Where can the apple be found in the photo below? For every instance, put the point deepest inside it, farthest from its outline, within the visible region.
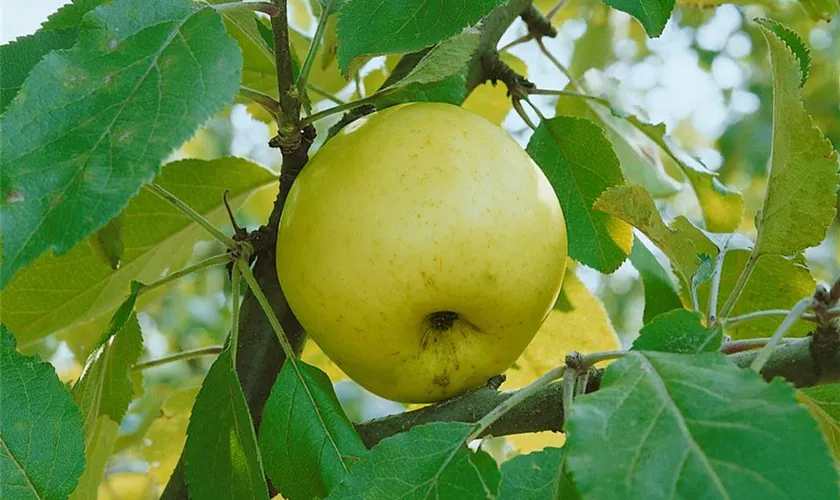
(421, 248)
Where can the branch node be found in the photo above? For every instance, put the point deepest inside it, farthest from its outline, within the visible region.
(497, 70)
(538, 25)
(496, 381)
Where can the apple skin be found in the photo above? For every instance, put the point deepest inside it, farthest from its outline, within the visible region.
(421, 248)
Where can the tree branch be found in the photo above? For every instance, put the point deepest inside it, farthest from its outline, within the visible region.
(792, 361)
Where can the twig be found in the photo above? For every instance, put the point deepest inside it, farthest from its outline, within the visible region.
(797, 311)
(569, 384)
(266, 101)
(346, 106)
(235, 276)
(739, 287)
(192, 214)
(764, 314)
(318, 90)
(266, 307)
(517, 105)
(264, 7)
(209, 262)
(521, 395)
(522, 39)
(314, 44)
(193, 353)
(555, 61)
(571, 93)
(557, 8)
(714, 290)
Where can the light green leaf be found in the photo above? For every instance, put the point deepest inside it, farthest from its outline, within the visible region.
(41, 441)
(307, 442)
(821, 9)
(704, 271)
(19, 57)
(536, 476)
(678, 331)
(776, 282)
(258, 70)
(682, 242)
(374, 27)
(666, 426)
(103, 392)
(101, 117)
(660, 293)
(54, 293)
(579, 162)
(653, 14)
(447, 58)
(221, 458)
(722, 206)
(428, 461)
(801, 196)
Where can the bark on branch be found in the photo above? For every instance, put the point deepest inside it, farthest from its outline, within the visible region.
(793, 361)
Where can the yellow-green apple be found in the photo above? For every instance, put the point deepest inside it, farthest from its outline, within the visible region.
(421, 248)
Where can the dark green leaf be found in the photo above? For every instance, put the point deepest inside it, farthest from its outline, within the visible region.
(43, 449)
(660, 293)
(794, 43)
(108, 244)
(447, 58)
(307, 442)
(666, 426)
(374, 27)
(70, 15)
(221, 456)
(536, 476)
(429, 461)
(679, 331)
(19, 57)
(653, 14)
(101, 117)
(579, 162)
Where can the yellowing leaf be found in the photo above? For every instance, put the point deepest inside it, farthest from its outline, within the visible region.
(578, 322)
(491, 101)
(127, 485)
(682, 242)
(802, 190)
(535, 441)
(167, 435)
(829, 426)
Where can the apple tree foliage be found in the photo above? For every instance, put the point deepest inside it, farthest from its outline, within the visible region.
(104, 196)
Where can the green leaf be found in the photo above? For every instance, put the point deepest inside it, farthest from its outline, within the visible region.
(70, 15)
(653, 14)
(103, 392)
(682, 242)
(101, 117)
(19, 57)
(801, 196)
(108, 242)
(776, 282)
(722, 206)
(668, 426)
(221, 458)
(428, 461)
(258, 70)
(536, 476)
(704, 271)
(823, 401)
(447, 58)
(579, 162)
(821, 9)
(640, 162)
(375, 27)
(307, 442)
(43, 449)
(54, 293)
(793, 42)
(679, 331)
(660, 293)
